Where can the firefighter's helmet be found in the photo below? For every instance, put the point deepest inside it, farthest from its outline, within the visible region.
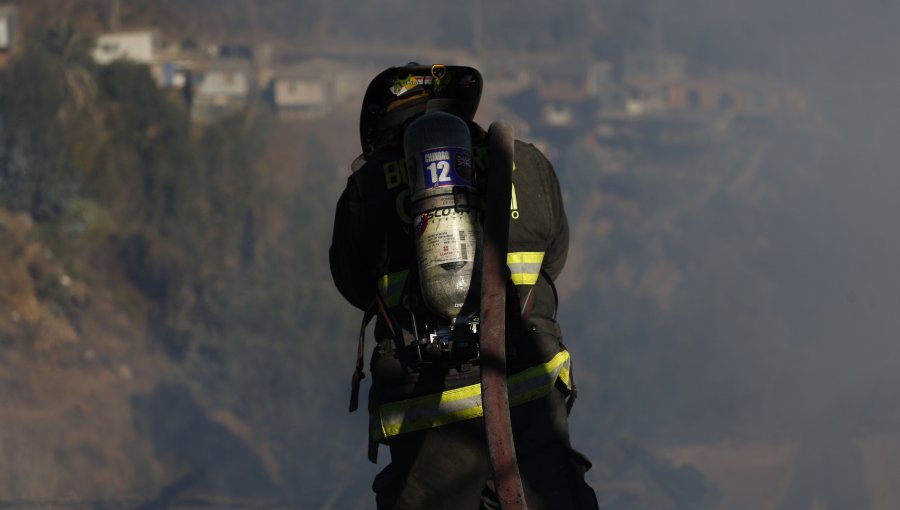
(399, 94)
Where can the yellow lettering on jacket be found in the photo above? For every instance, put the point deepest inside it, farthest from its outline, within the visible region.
(395, 174)
(514, 204)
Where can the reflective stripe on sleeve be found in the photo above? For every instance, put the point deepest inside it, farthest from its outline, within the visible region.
(525, 266)
(464, 403)
(390, 286)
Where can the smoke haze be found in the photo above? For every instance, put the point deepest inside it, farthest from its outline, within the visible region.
(732, 305)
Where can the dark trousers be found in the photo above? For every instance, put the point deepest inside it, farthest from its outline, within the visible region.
(448, 467)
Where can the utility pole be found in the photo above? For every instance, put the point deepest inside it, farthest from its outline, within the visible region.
(253, 20)
(115, 14)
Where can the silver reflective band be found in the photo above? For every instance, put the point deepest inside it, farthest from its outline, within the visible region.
(464, 403)
(524, 266)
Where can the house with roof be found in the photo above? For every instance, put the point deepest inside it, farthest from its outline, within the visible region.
(172, 67)
(749, 96)
(555, 101)
(557, 95)
(218, 88)
(645, 104)
(9, 28)
(9, 31)
(169, 66)
(313, 88)
(646, 76)
(299, 95)
(139, 46)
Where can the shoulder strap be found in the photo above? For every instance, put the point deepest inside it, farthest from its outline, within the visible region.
(358, 373)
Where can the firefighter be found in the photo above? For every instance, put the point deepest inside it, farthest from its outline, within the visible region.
(424, 401)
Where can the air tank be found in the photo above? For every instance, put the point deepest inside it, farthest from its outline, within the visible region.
(446, 220)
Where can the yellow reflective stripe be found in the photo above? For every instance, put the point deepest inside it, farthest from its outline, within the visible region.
(391, 285)
(535, 382)
(464, 403)
(565, 375)
(429, 411)
(525, 266)
(520, 257)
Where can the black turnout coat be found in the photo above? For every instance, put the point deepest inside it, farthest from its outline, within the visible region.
(372, 239)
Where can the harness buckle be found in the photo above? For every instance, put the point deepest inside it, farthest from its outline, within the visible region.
(451, 344)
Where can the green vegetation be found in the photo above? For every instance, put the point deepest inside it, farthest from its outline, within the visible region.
(84, 142)
(172, 217)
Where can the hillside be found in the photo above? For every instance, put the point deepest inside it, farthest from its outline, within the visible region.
(169, 332)
(142, 270)
(169, 325)
(71, 355)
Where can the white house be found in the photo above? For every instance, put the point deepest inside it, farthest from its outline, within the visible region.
(9, 26)
(300, 97)
(313, 88)
(646, 77)
(140, 46)
(219, 88)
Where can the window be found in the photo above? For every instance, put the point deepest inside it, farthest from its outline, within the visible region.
(694, 98)
(726, 101)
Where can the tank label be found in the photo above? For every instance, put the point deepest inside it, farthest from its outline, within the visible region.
(445, 235)
(447, 166)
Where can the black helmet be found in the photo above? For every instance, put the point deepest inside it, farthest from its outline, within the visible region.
(399, 94)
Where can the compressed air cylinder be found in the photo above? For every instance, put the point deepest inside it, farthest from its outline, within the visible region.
(445, 219)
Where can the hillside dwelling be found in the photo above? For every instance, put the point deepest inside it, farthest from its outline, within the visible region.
(172, 68)
(562, 93)
(140, 46)
(747, 96)
(710, 95)
(557, 115)
(9, 27)
(561, 100)
(614, 99)
(570, 94)
(652, 66)
(300, 97)
(219, 88)
(312, 89)
(172, 74)
(637, 98)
